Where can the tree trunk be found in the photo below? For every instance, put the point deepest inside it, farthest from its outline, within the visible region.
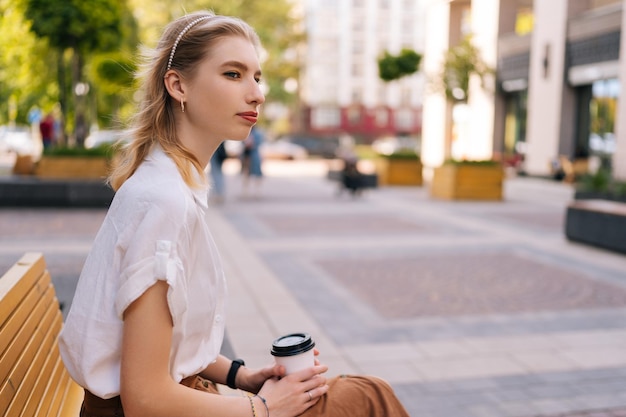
(62, 95)
(79, 92)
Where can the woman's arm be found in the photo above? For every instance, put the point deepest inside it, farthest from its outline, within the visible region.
(147, 388)
(250, 380)
(146, 385)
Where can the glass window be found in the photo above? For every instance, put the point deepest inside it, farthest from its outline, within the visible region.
(602, 112)
(524, 21)
(382, 117)
(404, 119)
(325, 117)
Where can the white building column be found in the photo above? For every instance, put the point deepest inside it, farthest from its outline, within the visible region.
(436, 112)
(545, 92)
(619, 158)
(481, 97)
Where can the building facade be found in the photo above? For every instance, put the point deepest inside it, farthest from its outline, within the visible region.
(558, 67)
(340, 88)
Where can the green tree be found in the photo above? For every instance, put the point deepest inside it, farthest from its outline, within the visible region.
(48, 47)
(80, 28)
(460, 63)
(112, 75)
(25, 79)
(393, 67)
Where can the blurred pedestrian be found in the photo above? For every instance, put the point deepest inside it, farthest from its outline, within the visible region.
(46, 128)
(251, 162)
(145, 328)
(217, 174)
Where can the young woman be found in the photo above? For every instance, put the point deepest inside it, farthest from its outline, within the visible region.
(144, 332)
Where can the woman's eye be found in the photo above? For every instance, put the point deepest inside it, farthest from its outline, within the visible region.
(258, 80)
(232, 74)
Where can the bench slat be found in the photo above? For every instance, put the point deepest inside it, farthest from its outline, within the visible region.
(72, 399)
(40, 386)
(57, 392)
(17, 281)
(28, 332)
(22, 312)
(58, 371)
(28, 365)
(56, 406)
(33, 379)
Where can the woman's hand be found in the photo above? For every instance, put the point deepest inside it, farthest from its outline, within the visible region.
(293, 394)
(251, 380)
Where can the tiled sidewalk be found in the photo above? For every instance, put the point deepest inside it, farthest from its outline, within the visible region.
(467, 308)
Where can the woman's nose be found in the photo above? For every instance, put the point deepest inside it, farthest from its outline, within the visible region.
(257, 96)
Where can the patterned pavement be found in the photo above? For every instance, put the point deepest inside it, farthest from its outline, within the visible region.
(471, 309)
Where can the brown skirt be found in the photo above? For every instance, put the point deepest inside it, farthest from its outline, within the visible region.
(354, 396)
(94, 406)
(357, 396)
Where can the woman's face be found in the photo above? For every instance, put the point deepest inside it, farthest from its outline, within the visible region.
(224, 96)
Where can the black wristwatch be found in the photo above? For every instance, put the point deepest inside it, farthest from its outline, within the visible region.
(232, 372)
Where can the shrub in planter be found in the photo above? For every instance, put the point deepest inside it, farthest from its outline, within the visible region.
(468, 180)
(78, 163)
(399, 168)
(600, 185)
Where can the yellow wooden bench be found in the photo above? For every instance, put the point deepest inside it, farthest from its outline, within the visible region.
(33, 379)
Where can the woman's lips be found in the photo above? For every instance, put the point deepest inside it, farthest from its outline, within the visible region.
(249, 116)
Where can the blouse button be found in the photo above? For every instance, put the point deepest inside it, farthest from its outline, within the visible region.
(218, 318)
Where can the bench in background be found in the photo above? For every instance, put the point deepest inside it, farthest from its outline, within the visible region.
(33, 379)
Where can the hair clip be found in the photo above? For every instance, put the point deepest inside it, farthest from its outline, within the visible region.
(180, 35)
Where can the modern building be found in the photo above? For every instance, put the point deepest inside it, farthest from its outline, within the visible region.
(558, 67)
(340, 88)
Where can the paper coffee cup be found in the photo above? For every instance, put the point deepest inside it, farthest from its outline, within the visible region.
(294, 351)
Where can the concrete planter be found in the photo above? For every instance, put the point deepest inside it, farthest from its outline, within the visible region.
(467, 182)
(72, 167)
(599, 223)
(399, 171)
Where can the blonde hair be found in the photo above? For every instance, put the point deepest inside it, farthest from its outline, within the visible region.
(155, 123)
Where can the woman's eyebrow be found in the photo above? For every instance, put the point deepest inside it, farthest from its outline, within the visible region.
(239, 65)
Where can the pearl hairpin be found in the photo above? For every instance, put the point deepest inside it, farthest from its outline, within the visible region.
(180, 35)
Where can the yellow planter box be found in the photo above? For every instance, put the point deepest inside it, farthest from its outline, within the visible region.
(72, 167)
(467, 182)
(399, 171)
(24, 165)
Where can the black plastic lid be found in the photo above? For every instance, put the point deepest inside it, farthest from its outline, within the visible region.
(292, 344)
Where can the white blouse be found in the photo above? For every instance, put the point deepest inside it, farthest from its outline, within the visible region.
(155, 229)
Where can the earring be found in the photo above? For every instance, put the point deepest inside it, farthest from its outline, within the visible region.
(182, 105)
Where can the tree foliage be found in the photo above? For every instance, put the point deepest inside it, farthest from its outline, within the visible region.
(77, 24)
(25, 79)
(83, 28)
(48, 46)
(460, 63)
(393, 67)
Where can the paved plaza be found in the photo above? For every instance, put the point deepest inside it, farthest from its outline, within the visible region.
(469, 309)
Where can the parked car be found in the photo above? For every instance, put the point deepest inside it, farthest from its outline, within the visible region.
(282, 149)
(316, 146)
(103, 136)
(17, 139)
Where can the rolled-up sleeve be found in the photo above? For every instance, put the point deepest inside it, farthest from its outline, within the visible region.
(150, 255)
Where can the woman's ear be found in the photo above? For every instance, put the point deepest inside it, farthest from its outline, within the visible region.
(174, 85)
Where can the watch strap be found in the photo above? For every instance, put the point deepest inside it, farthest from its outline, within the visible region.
(232, 372)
